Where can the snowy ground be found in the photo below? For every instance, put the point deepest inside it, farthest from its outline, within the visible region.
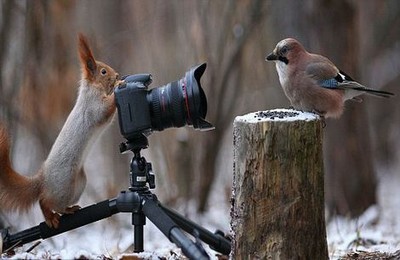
(378, 229)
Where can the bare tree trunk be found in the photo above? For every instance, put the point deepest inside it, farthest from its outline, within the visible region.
(212, 143)
(6, 22)
(278, 190)
(226, 84)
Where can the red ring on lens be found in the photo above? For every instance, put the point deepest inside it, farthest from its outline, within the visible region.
(184, 90)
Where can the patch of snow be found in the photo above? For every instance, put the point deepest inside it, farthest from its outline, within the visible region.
(377, 230)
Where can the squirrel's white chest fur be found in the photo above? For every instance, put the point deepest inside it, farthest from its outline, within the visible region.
(67, 155)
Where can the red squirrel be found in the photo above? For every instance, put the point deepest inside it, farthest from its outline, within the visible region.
(61, 180)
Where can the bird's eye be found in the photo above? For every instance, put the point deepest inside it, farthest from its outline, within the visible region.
(103, 71)
(284, 50)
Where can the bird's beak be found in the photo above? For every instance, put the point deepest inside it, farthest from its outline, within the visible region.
(271, 57)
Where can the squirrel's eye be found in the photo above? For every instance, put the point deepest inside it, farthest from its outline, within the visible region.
(103, 71)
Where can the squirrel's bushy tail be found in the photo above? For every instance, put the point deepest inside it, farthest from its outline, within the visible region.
(17, 192)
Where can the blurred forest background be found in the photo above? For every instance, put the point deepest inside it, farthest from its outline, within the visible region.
(39, 74)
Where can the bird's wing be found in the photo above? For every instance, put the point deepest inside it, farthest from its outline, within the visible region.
(328, 76)
(320, 68)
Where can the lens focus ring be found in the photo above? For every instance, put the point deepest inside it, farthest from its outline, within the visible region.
(178, 117)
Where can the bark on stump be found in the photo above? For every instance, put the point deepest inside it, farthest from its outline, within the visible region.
(278, 187)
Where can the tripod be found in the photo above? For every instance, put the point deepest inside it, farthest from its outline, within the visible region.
(139, 201)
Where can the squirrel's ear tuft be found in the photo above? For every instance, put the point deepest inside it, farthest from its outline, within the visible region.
(88, 63)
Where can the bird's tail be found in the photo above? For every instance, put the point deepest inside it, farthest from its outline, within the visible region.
(17, 192)
(352, 85)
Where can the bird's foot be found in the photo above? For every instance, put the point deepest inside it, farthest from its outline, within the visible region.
(321, 116)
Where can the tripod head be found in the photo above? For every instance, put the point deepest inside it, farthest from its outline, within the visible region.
(141, 171)
(134, 144)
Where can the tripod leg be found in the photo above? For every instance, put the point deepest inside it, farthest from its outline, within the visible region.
(138, 220)
(80, 218)
(171, 230)
(216, 241)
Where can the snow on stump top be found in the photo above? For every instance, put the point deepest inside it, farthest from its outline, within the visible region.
(278, 115)
(278, 186)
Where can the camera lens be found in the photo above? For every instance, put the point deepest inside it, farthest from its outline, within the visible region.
(180, 103)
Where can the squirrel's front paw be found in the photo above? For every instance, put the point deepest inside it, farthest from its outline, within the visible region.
(116, 84)
(71, 209)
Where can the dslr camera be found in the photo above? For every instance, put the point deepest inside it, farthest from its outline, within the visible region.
(176, 104)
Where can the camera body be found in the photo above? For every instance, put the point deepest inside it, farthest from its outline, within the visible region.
(131, 101)
(179, 103)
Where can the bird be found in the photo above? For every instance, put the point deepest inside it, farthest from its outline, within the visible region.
(313, 83)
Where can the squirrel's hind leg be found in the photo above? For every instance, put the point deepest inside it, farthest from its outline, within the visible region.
(52, 218)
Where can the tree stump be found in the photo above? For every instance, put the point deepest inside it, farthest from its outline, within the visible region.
(278, 187)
